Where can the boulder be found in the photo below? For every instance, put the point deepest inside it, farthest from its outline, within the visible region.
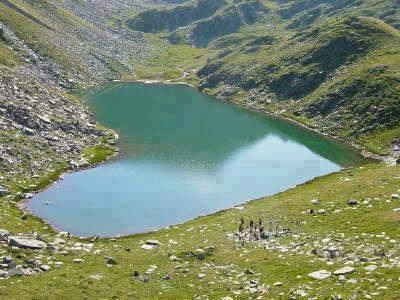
(19, 271)
(320, 275)
(26, 243)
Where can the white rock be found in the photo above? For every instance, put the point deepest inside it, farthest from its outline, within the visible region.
(96, 277)
(147, 247)
(321, 274)
(344, 271)
(153, 243)
(26, 243)
(371, 268)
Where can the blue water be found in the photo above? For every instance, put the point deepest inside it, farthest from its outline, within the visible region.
(183, 154)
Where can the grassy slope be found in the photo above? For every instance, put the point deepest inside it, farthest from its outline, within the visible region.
(169, 62)
(376, 182)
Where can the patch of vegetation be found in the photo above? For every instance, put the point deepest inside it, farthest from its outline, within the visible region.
(174, 62)
(98, 154)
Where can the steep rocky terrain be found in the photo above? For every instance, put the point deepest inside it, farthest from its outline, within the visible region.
(45, 53)
(199, 22)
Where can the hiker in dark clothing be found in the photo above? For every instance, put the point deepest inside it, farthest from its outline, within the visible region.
(261, 229)
(241, 228)
(251, 227)
(241, 225)
(251, 230)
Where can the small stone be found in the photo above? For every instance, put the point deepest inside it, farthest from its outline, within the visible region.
(314, 201)
(248, 272)
(395, 196)
(278, 283)
(78, 260)
(166, 277)
(111, 261)
(201, 276)
(45, 268)
(4, 233)
(3, 192)
(320, 275)
(371, 268)
(352, 202)
(96, 277)
(147, 247)
(153, 243)
(173, 258)
(7, 260)
(300, 293)
(344, 271)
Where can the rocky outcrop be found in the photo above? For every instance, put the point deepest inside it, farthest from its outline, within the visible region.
(26, 243)
(226, 22)
(156, 20)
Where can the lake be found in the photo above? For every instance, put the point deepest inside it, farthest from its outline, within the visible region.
(183, 154)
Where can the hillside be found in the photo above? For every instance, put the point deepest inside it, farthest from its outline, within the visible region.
(340, 77)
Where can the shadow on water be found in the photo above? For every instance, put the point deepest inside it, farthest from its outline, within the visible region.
(194, 127)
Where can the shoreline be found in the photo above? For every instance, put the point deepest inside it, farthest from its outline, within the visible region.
(354, 147)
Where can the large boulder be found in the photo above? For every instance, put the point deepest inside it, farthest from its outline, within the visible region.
(26, 243)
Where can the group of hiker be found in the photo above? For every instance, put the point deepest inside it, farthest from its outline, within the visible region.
(255, 230)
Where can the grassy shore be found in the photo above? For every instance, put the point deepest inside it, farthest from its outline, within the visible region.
(201, 258)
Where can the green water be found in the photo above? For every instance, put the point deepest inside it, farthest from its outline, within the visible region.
(183, 154)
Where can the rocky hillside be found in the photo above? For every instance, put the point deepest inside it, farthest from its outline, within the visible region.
(340, 77)
(158, 20)
(45, 53)
(199, 22)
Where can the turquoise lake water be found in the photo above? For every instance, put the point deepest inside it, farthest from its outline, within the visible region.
(183, 154)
